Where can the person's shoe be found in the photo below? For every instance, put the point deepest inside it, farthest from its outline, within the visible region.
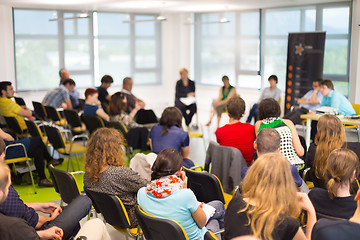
(56, 162)
(45, 183)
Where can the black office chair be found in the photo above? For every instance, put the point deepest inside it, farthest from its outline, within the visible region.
(35, 131)
(155, 228)
(114, 212)
(206, 187)
(92, 123)
(13, 125)
(39, 110)
(55, 116)
(74, 121)
(65, 184)
(20, 101)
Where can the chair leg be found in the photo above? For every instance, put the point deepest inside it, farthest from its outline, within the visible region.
(358, 132)
(68, 168)
(31, 176)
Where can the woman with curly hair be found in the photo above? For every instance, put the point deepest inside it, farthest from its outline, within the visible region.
(105, 170)
(330, 135)
(341, 169)
(290, 145)
(270, 204)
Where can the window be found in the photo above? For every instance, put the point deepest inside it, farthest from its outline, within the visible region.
(230, 49)
(88, 47)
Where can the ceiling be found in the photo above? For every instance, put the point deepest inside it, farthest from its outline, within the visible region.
(157, 6)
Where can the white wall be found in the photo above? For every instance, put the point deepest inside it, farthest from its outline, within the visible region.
(355, 55)
(7, 67)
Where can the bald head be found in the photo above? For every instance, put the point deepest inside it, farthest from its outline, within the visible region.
(64, 74)
(267, 141)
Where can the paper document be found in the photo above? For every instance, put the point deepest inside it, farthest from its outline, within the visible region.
(209, 211)
(187, 100)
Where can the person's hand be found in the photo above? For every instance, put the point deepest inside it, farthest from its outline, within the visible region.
(54, 233)
(201, 204)
(55, 213)
(141, 104)
(47, 207)
(184, 178)
(137, 106)
(32, 118)
(305, 202)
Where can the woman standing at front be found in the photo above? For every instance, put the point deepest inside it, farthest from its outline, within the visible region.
(185, 89)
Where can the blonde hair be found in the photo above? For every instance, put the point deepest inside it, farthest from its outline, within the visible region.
(340, 167)
(330, 135)
(270, 185)
(103, 149)
(183, 70)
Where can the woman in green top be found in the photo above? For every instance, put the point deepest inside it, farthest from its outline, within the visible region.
(225, 93)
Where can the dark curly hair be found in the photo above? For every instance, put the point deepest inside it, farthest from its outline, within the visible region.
(269, 107)
(103, 149)
(168, 162)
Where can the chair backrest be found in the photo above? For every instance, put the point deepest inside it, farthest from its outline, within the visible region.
(72, 118)
(92, 123)
(356, 108)
(52, 113)
(13, 124)
(33, 129)
(66, 184)
(155, 228)
(20, 101)
(119, 126)
(55, 137)
(39, 110)
(320, 215)
(206, 186)
(111, 207)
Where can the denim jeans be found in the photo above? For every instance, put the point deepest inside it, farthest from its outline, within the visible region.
(217, 221)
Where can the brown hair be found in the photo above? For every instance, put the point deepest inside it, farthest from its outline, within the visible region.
(235, 107)
(340, 167)
(327, 83)
(90, 92)
(117, 104)
(167, 162)
(330, 135)
(268, 140)
(107, 79)
(269, 107)
(4, 176)
(171, 116)
(103, 149)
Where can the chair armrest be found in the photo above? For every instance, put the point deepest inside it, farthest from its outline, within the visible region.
(220, 231)
(78, 172)
(81, 136)
(196, 167)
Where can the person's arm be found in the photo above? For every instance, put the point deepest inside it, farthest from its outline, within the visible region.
(313, 98)
(25, 113)
(67, 101)
(277, 95)
(6, 136)
(231, 94)
(54, 233)
(150, 143)
(46, 207)
(185, 151)
(295, 138)
(307, 206)
(199, 216)
(108, 97)
(135, 110)
(192, 93)
(300, 235)
(43, 219)
(257, 126)
(101, 113)
(302, 101)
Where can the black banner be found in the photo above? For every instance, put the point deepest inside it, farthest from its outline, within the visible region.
(304, 64)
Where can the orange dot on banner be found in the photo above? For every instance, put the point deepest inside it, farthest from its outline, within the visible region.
(288, 105)
(290, 75)
(288, 98)
(290, 67)
(290, 83)
(289, 90)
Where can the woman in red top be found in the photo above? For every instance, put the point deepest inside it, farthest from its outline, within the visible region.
(237, 134)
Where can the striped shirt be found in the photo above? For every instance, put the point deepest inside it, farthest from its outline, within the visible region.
(9, 108)
(56, 97)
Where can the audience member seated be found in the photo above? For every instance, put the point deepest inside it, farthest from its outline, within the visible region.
(36, 149)
(15, 227)
(132, 101)
(335, 99)
(341, 170)
(225, 93)
(237, 134)
(330, 135)
(59, 97)
(268, 141)
(104, 96)
(93, 106)
(167, 196)
(269, 92)
(185, 96)
(309, 102)
(105, 170)
(326, 229)
(117, 111)
(61, 222)
(169, 134)
(9, 108)
(269, 207)
(290, 146)
(74, 94)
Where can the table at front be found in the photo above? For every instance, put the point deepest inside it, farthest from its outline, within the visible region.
(315, 117)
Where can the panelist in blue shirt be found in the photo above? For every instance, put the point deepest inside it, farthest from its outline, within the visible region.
(335, 99)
